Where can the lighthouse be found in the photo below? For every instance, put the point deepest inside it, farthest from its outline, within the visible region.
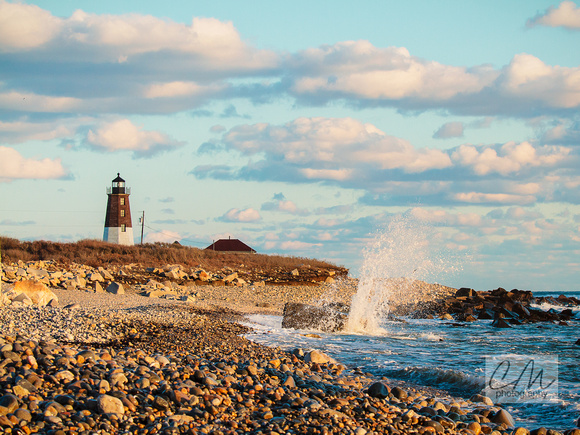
(118, 227)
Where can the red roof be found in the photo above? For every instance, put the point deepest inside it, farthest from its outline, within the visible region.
(230, 245)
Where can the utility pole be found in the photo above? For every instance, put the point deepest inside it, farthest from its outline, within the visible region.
(142, 225)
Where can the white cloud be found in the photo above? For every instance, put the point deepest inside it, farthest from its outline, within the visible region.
(210, 42)
(281, 204)
(295, 245)
(14, 166)
(357, 68)
(333, 148)
(179, 89)
(511, 157)
(123, 135)
(352, 154)
(237, 215)
(435, 216)
(530, 79)
(23, 131)
(567, 15)
(357, 71)
(23, 26)
(449, 129)
(493, 198)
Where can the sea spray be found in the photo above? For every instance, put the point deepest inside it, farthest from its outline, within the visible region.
(393, 265)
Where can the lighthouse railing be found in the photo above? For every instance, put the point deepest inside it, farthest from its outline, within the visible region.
(126, 190)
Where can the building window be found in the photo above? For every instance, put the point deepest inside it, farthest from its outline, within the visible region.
(123, 228)
(122, 201)
(122, 213)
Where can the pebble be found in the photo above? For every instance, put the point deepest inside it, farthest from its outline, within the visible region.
(169, 369)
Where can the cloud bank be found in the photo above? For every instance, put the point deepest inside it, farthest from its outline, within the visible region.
(356, 155)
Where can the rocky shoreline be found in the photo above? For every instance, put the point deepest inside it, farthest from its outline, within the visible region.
(173, 368)
(120, 363)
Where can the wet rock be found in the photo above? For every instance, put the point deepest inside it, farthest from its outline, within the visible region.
(399, 393)
(315, 356)
(503, 417)
(498, 322)
(379, 390)
(465, 292)
(302, 316)
(479, 398)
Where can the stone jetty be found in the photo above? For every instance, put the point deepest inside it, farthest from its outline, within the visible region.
(505, 308)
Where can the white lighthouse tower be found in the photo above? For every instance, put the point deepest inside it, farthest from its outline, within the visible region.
(118, 227)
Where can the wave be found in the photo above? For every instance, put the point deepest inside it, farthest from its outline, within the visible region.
(454, 381)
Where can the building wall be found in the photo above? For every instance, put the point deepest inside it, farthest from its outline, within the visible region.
(115, 235)
(113, 217)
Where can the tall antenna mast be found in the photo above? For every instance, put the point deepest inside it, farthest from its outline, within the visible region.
(142, 225)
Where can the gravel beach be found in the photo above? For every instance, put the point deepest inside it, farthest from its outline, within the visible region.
(116, 364)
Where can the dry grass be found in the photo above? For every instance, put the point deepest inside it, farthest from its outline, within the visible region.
(97, 253)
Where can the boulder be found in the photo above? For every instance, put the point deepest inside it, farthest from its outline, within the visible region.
(498, 322)
(378, 389)
(315, 356)
(465, 292)
(503, 417)
(37, 292)
(115, 288)
(329, 318)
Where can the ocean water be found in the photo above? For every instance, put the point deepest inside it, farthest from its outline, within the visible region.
(433, 353)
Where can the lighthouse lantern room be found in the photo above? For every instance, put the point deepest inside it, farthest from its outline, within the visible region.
(118, 227)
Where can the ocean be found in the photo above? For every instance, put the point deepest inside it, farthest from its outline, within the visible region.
(433, 353)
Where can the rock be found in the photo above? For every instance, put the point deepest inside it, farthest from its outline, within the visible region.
(98, 287)
(160, 403)
(503, 417)
(115, 288)
(38, 293)
(378, 389)
(110, 405)
(520, 431)
(399, 393)
(9, 402)
(95, 276)
(295, 272)
(289, 382)
(231, 277)
(317, 357)
(465, 292)
(479, 398)
(302, 316)
(179, 419)
(498, 322)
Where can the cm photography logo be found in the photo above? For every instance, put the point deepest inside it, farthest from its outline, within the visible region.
(521, 378)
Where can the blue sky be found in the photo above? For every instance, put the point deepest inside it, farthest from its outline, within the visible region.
(302, 128)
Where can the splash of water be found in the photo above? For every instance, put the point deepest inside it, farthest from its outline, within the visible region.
(395, 267)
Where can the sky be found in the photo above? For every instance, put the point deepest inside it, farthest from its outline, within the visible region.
(302, 128)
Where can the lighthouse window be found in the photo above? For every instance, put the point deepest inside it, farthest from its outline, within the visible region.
(122, 213)
(122, 201)
(123, 228)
